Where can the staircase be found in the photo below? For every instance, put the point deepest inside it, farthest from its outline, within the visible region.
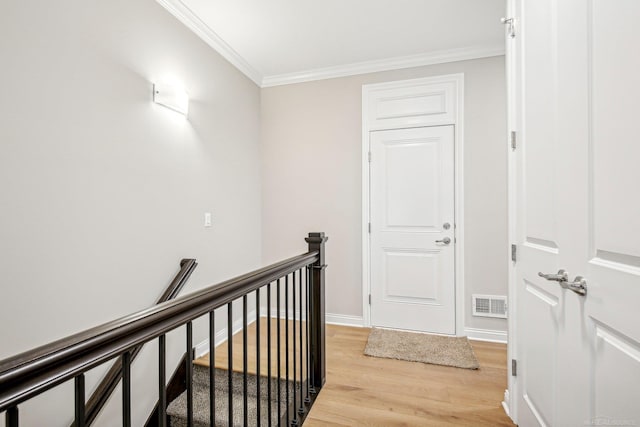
(294, 289)
(177, 410)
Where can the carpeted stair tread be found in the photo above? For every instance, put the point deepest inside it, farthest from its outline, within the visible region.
(177, 410)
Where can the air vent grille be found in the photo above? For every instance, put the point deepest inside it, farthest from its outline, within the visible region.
(490, 306)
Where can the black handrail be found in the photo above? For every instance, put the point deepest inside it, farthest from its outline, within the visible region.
(31, 373)
(187, 266)
(110, 381)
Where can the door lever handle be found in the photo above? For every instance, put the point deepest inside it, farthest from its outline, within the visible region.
(446, 241)
(579, 285)
(562, 276)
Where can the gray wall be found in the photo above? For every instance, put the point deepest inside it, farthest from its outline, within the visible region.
(103, 192)
(312, 177)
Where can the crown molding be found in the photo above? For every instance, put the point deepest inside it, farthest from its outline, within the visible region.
(185, 15)
(436, 57)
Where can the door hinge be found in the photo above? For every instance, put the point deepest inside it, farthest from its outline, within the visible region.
(369, 228)
(514, 253)
(369, 299)
(511, 26)
(513, 140)
(369, 156)
(514, 368)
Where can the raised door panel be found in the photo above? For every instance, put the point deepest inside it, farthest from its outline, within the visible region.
(412, 106)
(412, 184)
(613, 268)
(412, 276)
(539, 125)
(615, 375)
(539, 303)
(540, 312)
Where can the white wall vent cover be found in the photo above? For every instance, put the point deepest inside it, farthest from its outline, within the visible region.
(490, 306)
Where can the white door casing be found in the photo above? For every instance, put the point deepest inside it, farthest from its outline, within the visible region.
(408, 104)
(412, 250)
(577, 88)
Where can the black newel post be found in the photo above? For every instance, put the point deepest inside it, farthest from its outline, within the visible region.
(316, 243)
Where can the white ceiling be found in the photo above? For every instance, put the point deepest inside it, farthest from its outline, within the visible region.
(272, 39)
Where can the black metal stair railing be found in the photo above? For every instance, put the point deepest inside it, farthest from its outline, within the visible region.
(106, 387)
(32, 373)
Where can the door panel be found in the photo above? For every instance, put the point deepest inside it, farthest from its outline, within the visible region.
(540, 302)
(616, 368)
(612, 264)
(615, 93)
(540, 329)
(412, 196)
(405, 268)
(428, 104)
(412, 190)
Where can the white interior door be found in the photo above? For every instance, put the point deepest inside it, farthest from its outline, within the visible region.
(577, 210)
(412, 229)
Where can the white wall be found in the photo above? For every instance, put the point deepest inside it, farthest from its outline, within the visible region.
(102, 191)
(312, 178)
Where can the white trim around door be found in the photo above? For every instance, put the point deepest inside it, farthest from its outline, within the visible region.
(442, 103)
(510, 405)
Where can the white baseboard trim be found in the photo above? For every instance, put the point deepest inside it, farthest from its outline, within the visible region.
(505, 403)
(330, 318)
(344, 320)
(283, 314)
(486, 335)
(221, 336)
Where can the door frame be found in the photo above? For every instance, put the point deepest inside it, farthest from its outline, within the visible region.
(457, 120)
(512, 80)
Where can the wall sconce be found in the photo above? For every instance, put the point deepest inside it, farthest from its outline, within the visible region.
(171, 97)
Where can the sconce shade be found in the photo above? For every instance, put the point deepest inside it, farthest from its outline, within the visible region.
(171, 97)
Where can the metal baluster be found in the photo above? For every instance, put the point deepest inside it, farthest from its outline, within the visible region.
(230, 360)
(307, 399)
(293, 312)
(258, 355)
(245, 394)
(269, 354)
(162, 381)
(301, 407)
(126, 389)
(286, 343)
(212, 368)
(278, 338)
(11, 417)
(79, 400)
(189, 370)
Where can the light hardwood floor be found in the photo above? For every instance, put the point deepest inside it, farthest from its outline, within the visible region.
(369, 391)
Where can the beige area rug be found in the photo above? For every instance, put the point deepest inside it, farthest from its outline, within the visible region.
(425, 348)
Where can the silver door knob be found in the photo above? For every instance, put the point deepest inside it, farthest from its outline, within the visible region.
(446, 241)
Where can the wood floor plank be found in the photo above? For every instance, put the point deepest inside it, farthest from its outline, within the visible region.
(370, 391)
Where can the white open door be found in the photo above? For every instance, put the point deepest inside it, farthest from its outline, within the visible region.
(577, 210)
(412, 229)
